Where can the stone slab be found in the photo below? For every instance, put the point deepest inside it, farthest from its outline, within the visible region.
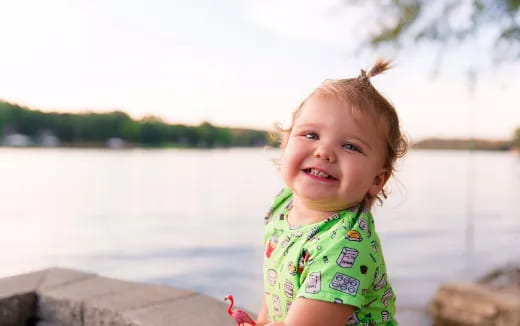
(474, 305)
(187, 311)
(20, 284)
(17, 309)
(64, 302)
(109, 309)
(56, 277)
(64, 297)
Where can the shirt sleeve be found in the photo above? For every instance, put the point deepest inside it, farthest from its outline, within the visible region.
(339, 267)
(278, 201)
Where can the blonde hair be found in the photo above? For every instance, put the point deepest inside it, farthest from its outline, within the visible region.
(363, 98)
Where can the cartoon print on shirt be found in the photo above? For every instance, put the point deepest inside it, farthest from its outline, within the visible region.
(367, 320)
(302, 246)
(332, 218)
(381, 284)
(267, 217)
(287, 307)
(289, 289)
(297, 234)
(386, 297)
(285, 242)
(345, 284)
(313, 283)
(289, 205)
(276, 305)
(291, 268)
(347, 257)
(313, 232)
(353, 235)
(353, 320)
(303, 259)
(271, 245)
(363, 224)
(272, 276)
(374, 245)
(376, 276)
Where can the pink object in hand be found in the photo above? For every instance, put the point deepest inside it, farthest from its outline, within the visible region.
(241, 317)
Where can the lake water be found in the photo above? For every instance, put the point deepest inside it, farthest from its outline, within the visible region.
(194, 218)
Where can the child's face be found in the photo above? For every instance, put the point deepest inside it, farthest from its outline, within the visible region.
(331, 159)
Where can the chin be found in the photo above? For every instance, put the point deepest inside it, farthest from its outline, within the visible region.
(317, 196)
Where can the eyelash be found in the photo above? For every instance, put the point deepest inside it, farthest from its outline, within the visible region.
(314, 136)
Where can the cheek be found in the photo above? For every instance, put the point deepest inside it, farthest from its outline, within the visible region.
(289, 162)
(357, 172)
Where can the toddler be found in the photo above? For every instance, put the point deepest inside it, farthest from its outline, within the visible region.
(323, 261)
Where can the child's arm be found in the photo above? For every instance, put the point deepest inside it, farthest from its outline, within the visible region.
(262, 315)
(309, 312)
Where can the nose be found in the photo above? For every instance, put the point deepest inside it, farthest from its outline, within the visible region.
(324, 152)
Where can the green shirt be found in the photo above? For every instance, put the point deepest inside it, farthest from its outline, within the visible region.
(336, 260)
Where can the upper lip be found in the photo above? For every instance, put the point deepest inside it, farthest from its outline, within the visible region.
(321, 170)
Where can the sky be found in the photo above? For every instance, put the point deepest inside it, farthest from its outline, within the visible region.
(238, 63)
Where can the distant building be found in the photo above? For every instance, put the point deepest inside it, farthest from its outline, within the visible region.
(46, 138)
(17, 140)
(115, 143)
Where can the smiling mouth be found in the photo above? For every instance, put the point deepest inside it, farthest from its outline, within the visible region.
(319, 173)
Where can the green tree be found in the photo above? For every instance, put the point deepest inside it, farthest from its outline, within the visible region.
(516, 138)
(446, 22)
(96, 128)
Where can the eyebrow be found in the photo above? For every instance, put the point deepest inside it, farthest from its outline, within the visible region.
(317, 125)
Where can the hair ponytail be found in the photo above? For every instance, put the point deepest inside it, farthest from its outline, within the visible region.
(379, 67)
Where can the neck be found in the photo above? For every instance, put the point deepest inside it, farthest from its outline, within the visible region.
(305, 212)
(231, 302)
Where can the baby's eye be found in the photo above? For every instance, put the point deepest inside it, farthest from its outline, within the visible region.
(351, 147)
(311, 135)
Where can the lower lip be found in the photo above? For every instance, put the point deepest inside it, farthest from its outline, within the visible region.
(320, 178)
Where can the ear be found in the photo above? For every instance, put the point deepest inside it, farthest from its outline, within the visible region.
(379, 182)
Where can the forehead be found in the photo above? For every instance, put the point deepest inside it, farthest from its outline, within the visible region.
(334, 112)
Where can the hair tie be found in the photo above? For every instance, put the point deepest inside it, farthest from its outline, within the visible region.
(363, 77)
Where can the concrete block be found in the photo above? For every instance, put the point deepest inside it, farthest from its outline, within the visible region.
(20, 284)
(101, 310)
(63, 297)
(186, 311)
(471, 304)
(96, 316)
(60, 311)
(65, 303)
(17, 309)
(57, 277)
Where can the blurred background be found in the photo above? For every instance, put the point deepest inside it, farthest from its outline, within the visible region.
(134, 134)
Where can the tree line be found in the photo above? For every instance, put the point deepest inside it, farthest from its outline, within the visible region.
(95, 129)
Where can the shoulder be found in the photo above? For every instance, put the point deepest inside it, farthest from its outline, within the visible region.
(345, 248)
(279, 200)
